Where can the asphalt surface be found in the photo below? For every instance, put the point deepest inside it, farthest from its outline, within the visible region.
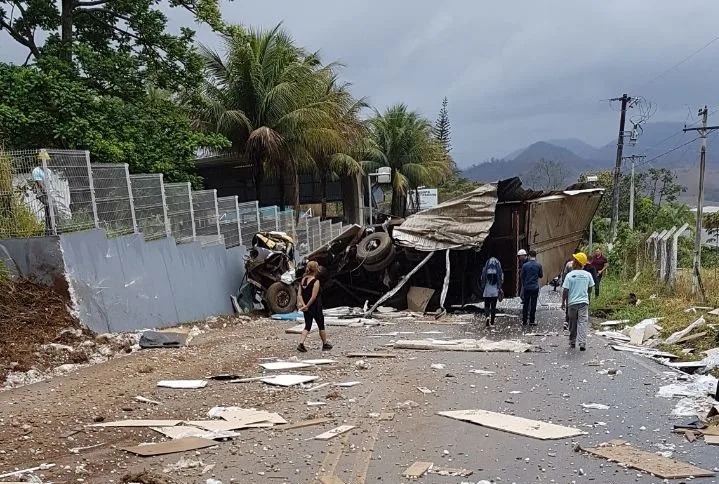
(548, 385)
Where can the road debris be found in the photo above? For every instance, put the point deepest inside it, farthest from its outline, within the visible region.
(425, 390)
(371, 355)
(481, 345)
(678, 336)
(595, 406)
(449, 472)
(417, 470)
(330, 480)
(659, 466)
(77, 450)
(147, 400)
(139, 423)
(437, 366)
(41, 467)
(185, 431)
(285, 365)
(482, 372)
(331, 434)
(619, 322)
(347, 384)
(171, 447)
(513, 424)
(362, 365)
(304, 423)
(182, 384)
(162, 339)
(288, 380)
(318, 386)
(639, 350)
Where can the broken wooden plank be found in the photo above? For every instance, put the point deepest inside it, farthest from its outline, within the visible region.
(691, 337)
(417, 470)
(711, 439)
(644, 351)
(285, 365)
(481, 345)
(139, 423)
(247, 417)
(372, 354)
(659, 466)
(170, 447)
(513, 424)
(331, 434)
(304, 423)
(347, 384)
(185, 431)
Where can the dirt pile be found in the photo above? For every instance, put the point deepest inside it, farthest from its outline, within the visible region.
(33, 315)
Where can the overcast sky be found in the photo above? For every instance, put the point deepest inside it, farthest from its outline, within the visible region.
(514, 72)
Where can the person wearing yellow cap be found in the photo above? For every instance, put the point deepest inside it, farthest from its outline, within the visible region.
(575, 297)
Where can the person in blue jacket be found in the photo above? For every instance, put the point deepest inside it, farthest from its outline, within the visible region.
(492, 280)
(531, 275)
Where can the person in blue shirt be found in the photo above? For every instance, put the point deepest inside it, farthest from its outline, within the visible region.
(492, 280)
(530, 275)
(575, 297)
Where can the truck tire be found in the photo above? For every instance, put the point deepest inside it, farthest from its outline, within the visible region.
(374, 248)
(281, 298)
(382, 264)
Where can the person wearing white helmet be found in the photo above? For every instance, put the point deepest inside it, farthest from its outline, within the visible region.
(521, 259)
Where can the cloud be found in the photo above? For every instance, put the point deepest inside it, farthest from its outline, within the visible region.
(514, 72)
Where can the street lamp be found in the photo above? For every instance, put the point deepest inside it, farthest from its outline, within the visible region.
(384, 175)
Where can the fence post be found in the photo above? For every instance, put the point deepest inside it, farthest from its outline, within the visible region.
(237, 216)
(675, 254)
(319, 232)
(217, 217)
(664, 260)
(166, 219)
(257, 211)
(91, 183)
(131, 197)
(192, 212)
(277, 218)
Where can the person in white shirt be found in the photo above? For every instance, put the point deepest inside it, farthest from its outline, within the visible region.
(39, 178)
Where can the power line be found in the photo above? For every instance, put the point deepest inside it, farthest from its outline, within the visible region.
(687, 58)
(668, 151)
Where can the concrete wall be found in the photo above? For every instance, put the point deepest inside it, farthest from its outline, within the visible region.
(125, 283)
(38, 259)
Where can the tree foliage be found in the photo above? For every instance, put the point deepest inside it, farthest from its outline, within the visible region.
(54, 109)
(443, 129)
(402, 140)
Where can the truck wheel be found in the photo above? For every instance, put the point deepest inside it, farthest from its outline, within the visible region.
(382, 264)
(374, 248)
(281, 298)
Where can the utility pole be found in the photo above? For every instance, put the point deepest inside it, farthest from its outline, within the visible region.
(703, 131)
(618, 166)
(633, 159)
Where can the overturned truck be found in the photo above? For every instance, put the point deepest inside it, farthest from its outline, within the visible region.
(442, 250)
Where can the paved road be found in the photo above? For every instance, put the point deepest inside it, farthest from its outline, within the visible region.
(553, 385)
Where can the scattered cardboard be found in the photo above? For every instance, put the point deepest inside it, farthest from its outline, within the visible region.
(331, 434)
(417, 470)
(449, 472)
(691, 337)
(185, 431)
(372, 355)
(644, 351)
(711, 430)
(418, 298)
(659, 466)
(170, 447)
(289, 380)
(182, 384)
(217, 425)
(514, 425)
(711, 439)
(139, 423)
(247, 417)
(304, 423)
(690, 436)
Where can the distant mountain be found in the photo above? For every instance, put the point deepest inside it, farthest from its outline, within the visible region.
(578, 157)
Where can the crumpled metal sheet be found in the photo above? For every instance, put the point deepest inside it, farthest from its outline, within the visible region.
(460, 223)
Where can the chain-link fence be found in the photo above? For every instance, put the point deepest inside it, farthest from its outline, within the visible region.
(204, 206)
(45, 192)
(113, 198)
(249, 221)
(55, 191)
(229, 216)
(269, 219)
(179, 210)
(148, 193)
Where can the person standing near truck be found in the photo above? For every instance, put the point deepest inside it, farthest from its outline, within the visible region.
(531, 274)
(575, 297)
(309, 301)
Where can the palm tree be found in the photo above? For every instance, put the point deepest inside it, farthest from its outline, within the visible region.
(341, 156)
(403, 140)
(263, 96)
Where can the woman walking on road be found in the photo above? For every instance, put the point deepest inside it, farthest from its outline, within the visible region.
(309, 302)
(492, 280)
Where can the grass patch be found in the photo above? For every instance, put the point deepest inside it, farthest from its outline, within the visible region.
(657, 301)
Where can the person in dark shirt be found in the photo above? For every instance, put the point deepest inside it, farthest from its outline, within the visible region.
(521, 259)
(531, 274)
(600, 265)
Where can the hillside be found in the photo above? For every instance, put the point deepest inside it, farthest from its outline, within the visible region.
(577, 156)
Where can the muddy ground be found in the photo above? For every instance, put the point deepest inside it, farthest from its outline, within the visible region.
(47, 422)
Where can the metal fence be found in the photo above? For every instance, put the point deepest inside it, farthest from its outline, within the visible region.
(50, 192)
